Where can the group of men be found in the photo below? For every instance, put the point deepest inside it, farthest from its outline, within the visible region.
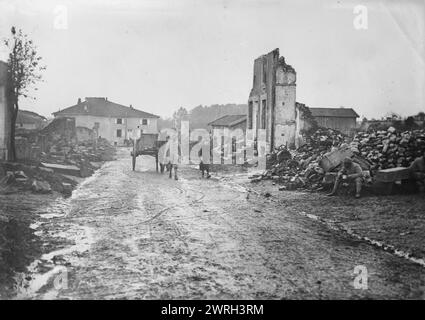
(169, 159)
(351, 172)
(204, 168)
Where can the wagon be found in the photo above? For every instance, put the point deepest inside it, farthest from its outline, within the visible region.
(147, 144)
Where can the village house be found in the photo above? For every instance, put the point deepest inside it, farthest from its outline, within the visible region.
(230, 122)
(112, 121)
(4, 125)
(341, 119)
(29, 120)
(420, 118)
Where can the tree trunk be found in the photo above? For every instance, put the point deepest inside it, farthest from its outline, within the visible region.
(14, 116)
(13, 108)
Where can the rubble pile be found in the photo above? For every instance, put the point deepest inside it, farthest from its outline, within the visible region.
(59, 156)
(84, 155)
(301, 168)
(17, 177)
(389, 149)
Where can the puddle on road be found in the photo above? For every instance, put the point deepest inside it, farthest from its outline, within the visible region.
(29, 283)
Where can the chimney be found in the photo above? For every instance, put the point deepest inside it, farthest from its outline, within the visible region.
(131, 106)
(106, 98)
(79, 101)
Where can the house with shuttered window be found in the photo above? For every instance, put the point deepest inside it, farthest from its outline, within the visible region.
(112, 121)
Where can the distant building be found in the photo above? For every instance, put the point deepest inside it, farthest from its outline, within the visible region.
(420, 117)
(341, 119)
(112, 121)
(4, 122)
(30, 120)
(231, 122)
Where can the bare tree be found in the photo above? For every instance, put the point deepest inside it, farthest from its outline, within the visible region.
(24, 71)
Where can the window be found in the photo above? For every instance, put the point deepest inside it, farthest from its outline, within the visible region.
(250, 115)
(119, 133)
(144, 122)
(265, 71)
(263, 114)
(119, 121)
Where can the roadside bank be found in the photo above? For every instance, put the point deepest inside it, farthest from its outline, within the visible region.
(394, 223)
(27, 192)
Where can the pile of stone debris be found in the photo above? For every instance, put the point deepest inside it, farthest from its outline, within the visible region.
(55, 169)
(18, 177)
(313, 165)
(390, 148)
(77, 159)
(302, 168)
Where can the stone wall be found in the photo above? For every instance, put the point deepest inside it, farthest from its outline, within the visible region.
(272, 101)
(85, 134)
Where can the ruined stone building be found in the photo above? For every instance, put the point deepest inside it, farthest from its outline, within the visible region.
(4, 122)
(272, 105)
(272, 101)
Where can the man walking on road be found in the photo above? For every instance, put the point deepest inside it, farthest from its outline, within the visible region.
(349, 172)
(168, 156)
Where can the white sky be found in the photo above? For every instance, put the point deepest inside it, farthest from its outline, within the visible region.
(159, 55)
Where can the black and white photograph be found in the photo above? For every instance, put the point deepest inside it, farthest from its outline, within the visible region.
(217, 150)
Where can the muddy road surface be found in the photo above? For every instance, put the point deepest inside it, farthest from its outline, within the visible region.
(141, 235)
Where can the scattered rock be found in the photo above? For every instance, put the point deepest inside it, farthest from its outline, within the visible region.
(67, 188)
(8, 179)
(389, 149)
(42, 187)
(20, 176)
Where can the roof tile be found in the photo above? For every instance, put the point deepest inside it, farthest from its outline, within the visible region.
(334, 112)
(100, 107)
(229, 120)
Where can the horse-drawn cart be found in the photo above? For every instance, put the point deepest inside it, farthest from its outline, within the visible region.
(147, 144)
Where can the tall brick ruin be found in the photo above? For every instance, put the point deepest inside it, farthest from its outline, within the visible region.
(272, 101)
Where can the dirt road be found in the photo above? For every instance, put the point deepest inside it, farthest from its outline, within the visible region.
(141, 235)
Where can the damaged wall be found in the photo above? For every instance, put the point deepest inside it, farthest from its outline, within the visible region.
(285, 115)
(272, 101)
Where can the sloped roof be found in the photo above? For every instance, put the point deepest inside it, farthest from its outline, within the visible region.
(25, 116)
(100, 107)
(334, 112)
(229, 120)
